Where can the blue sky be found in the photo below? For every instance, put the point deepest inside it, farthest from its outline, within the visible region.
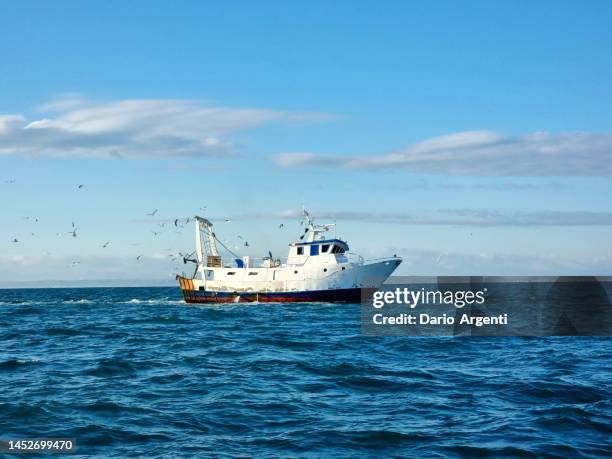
(471, 138)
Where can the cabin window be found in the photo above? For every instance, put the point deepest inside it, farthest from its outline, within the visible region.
(314, 250)
(300, 250)
(231, 273)
(338, 249)
(324, 248)
(343, 268)
(294, 272)
(324, 270)
(252, 273)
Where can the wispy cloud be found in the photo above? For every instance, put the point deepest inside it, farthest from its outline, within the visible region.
(442, 263)
(451, 217)
(73, 126)
(483, 153)
(23, 268)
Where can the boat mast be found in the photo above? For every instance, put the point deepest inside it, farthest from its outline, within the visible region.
(316, 232)
(207, 244)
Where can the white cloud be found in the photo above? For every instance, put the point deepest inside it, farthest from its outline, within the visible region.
(483, 153)
(9, 122)
(432, 263)
(450, 217)
(135, 128)
(90, 269)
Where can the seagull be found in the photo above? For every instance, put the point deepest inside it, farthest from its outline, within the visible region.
(152, 214)
(138, 257)
(105, 244)
(15, 240)
(155, 233)
(73, 232)
(10, 181)
(281, 225)
(239, 237)
(80, 186)
(227, 220)
(73, 224)
(246, 243)
(187, 220)
(163, 224)
(176, 222)
(74, 263)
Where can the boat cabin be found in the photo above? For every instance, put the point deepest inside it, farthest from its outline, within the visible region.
(299, 252)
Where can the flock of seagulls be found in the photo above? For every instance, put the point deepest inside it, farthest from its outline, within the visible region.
(177, 223)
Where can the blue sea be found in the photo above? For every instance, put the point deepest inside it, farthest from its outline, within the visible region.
(137, 372)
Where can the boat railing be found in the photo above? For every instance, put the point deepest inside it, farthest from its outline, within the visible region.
(352, 257)
(265, 262)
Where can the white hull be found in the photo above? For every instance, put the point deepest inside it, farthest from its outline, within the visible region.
(319, 276)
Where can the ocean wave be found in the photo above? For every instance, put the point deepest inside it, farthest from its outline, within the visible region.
(159, 301)
(111, 367)
(12, 364)
(65, 331)
(19, 303)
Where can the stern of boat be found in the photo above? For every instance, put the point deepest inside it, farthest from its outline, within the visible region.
(188, 289)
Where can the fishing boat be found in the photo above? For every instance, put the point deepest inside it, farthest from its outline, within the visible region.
(317, 268)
